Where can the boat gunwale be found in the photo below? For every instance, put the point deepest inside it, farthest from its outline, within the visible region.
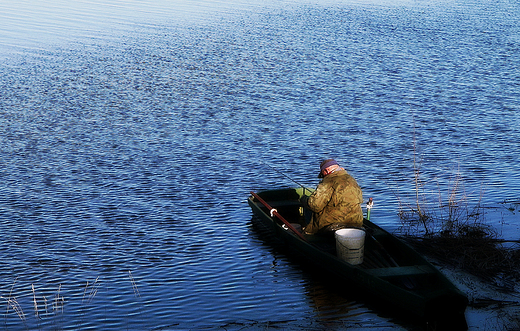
(378, 278)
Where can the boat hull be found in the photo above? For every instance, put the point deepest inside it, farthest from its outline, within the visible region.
(391, 271)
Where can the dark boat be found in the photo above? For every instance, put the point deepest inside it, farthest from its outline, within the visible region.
(390, 270)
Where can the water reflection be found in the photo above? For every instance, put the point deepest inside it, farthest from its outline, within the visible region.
(332, 307)
(132, 132)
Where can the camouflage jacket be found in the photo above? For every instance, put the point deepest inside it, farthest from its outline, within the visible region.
(337, 199)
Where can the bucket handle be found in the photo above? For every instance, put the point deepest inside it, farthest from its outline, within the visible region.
(351, 249)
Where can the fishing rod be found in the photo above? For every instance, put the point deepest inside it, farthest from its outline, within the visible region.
(274, 212)
(289, 178)
(370, 202)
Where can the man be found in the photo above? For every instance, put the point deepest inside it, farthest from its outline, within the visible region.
(336, 202)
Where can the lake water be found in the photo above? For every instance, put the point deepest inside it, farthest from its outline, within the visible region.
(131, 133)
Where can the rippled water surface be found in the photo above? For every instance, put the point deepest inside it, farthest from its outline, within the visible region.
(131, 133)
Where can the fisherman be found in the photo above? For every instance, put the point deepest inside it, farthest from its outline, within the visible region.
(336, 202)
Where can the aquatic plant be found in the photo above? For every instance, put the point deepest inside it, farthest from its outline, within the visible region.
(48, 308)
(92, 290)
(447, 215)
(12, 303)
(451, 227)
(134, 285)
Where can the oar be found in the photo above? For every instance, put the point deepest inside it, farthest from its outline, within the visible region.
(274, 212)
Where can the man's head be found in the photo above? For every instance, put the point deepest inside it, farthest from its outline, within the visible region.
(327, 166)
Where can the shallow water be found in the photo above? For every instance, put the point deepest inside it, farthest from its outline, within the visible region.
(131, 134)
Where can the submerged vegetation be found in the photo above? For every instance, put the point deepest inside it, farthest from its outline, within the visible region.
(38, 311)
(44, 307)
(451, 228)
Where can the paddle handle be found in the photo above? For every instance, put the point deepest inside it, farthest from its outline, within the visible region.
(274, 212)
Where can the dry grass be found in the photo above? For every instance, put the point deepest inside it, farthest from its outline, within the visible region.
(134, 285)
(450, 229)
(457, 234)
(454, 232)
(48, 308)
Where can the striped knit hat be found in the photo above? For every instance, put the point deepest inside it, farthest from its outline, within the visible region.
(325, 164)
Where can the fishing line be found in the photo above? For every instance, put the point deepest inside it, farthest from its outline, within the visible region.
(289, 178)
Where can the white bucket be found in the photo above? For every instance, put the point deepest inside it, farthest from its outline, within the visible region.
(350, 245)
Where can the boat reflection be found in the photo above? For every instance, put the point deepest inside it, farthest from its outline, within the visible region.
(337, 305)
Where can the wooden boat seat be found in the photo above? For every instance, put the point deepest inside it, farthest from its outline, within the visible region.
(395, 272)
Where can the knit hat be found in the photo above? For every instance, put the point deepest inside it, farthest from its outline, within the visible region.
(325, 164)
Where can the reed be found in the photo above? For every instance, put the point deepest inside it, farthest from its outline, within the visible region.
(35, 302)
(59, 301)
(449, 215)
(450, 229)
(460, 237)
(48, 308)
(53, 307)
(134, 285)
(92, 290)
(12, 303)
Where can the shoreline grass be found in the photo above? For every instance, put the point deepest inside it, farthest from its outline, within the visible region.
(452, 228)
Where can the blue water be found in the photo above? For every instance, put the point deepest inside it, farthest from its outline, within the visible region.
(131, 134)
